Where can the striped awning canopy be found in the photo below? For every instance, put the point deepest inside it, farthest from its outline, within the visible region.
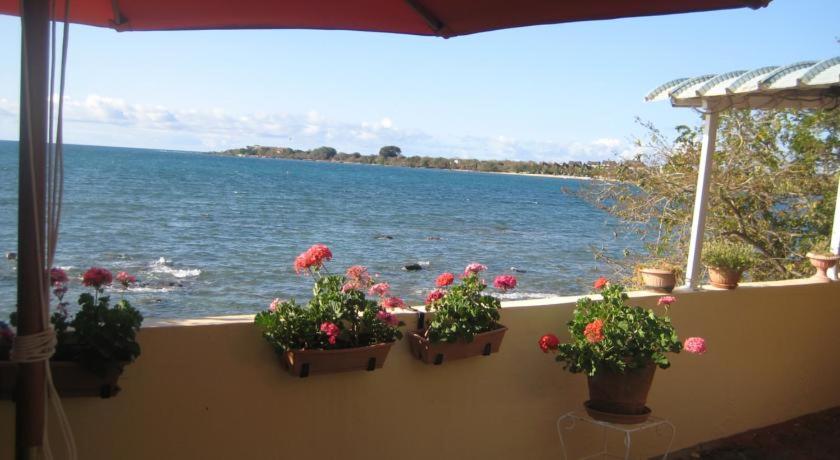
(806, 84)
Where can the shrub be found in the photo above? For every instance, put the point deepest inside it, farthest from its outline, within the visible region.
(728, 256)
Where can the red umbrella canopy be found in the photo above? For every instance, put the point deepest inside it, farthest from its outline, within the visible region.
(445, 18)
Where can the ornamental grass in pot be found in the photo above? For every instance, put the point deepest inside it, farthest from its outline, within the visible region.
(619, 348)
(822, 258)
(339, 329)
(726, 262)
(93, 345)
(465, 321)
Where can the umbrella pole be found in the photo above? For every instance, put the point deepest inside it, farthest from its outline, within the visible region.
(31, 393)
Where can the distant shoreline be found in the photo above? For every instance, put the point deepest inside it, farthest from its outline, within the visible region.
(507, 173)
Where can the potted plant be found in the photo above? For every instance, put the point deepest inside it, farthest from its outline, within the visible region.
(339, 329)
(659, 275)
(726, 262)
(618, 347)
(822, 258)
(92, 346)
(465, 321)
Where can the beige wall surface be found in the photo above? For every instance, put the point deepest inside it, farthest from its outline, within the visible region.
(215, 390)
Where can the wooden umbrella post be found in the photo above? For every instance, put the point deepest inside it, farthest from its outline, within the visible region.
(31, 390)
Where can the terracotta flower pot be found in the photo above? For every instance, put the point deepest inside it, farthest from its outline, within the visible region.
(822, 262)
(724, 278)
(70, 379)
(436, 353)
(620, 398)
(304, 363)
(659, 280)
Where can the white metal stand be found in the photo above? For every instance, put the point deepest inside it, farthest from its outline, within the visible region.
(569, 421)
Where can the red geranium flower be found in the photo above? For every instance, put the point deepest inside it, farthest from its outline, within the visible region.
(600, 283)
(57, 276)
(392, 302)
(331, 330)
(594, 331)
(97, 277)
(435, 295)
(445, 279)
(549, 342)
(313, 258)
(125, 279)
(504, 283)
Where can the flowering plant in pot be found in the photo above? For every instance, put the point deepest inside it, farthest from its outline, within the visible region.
(340, 329)
(465, 321)
(619, 347)
(822, 258)
(94, 344)
(726, 262)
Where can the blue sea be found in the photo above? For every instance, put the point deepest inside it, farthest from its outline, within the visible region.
(213, 235)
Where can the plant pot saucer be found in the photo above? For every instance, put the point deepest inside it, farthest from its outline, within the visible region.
(621, 419)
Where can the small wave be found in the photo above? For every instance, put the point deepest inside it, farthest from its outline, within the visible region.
(523, 295)
(423, 263)
(161, 266)
(142, 289)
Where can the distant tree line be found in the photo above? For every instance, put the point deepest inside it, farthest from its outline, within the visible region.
(391, 155)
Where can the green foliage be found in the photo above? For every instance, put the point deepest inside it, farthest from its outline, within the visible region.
(292, 327)
(774, 186)
(390, 151)
(727, 255)
(105, 337)
(463, 312)
(632, 337)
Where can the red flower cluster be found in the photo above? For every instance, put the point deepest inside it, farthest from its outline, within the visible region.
(359, 279)
(600, 283)
(313, 258)
(331, 330)
(58, 276)
(444, 279)
(435, 295)
(97, 277)
(125, 279)
(504, 283)
(594, 331)
(549, 342)
(392, 302)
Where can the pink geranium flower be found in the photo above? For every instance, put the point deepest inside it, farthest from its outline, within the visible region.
(504, 283)
(380, 289)
(444, 279)
(666, 300)
(387, 318)
(126, 279)
(474, 268)
(272, 307)
(97, 277)
(392, 302)
(331, 330)
(696, 345)
(313, 258)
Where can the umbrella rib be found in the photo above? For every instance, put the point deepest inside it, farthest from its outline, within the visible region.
(432, 21)
(119, 19)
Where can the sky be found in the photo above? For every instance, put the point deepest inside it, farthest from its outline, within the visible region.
(546, 93)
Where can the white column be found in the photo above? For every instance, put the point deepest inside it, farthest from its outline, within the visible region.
(835, 233)
(701, 198)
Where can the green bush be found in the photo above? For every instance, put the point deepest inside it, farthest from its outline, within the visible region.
(727, 255)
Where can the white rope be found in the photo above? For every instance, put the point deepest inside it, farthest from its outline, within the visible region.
(33, 348)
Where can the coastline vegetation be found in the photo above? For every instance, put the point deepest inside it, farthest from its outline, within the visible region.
(391, 155)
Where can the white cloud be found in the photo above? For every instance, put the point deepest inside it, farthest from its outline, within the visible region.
(102, 119)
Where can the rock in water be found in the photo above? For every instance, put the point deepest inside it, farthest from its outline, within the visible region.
(413, 267)
(383, 237)
(11, 255)
(517, 270)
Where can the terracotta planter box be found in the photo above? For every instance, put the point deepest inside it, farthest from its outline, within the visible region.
(304, 363)
(436, 353)
(724, 278)
(659, 280)
(620, 398)
(70, 379)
